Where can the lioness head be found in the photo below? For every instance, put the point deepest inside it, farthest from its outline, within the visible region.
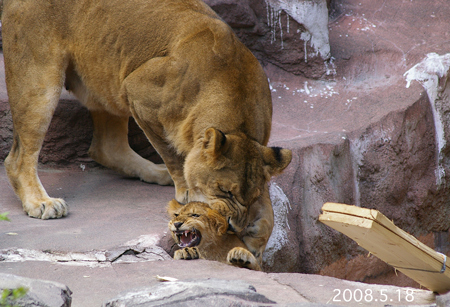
(229, 171)
(195, 224)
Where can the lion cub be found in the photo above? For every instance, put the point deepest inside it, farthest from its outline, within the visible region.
(201, 232)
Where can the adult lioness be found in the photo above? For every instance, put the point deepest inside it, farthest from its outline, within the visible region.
(199, 95)
(201, 232)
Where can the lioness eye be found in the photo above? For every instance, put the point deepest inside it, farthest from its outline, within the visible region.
(175, 214)
(229, 194)
(195, 215)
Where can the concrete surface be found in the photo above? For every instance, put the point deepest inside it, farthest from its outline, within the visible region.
(128, 208)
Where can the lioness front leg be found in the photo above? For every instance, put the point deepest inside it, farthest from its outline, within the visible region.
(187, 253)
(145, 95)
(242, 258)
(257, 233)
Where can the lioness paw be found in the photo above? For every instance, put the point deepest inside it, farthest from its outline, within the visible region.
(52, 208)
(242, 258)
(187, 253)
(156, 173)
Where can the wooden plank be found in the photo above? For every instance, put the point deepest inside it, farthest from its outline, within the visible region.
(378, 217)
(376, 233)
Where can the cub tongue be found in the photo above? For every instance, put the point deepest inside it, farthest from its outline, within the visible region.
(186, 237)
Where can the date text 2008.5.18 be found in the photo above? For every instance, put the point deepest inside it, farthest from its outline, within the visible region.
(368, 295)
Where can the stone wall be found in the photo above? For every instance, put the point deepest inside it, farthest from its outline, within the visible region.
(375, 143)
(391, 166)
(297, 42)
(69, 136)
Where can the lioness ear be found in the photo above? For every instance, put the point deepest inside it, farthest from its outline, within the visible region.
(214, 142)
(276, 159)
(174, 207)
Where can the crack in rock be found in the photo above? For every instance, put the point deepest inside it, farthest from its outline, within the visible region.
(142, 249)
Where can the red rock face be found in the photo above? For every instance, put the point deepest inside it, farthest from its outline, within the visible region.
(272, 35)
(365, 140)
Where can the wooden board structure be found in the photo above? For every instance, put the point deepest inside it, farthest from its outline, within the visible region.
(376, 233)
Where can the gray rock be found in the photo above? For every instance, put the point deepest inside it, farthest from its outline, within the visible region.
(206, 292)
(40, 292)
(443, 300)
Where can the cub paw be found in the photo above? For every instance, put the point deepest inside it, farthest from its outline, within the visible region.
(187, 253)
(242, 258)
(52, 208)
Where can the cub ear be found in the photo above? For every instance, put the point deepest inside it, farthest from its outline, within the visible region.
(174, 207)
(276, 159)
(214, 142)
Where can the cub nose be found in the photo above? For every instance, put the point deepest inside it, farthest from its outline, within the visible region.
(177, 224)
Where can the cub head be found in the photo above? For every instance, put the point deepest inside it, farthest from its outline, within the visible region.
(229, 172)
(195, 224)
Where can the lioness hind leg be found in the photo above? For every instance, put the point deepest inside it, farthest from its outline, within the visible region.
(32, 106)
(187, 253)
(21, 167)
(242, 258)
(110, 148)
(35, 61)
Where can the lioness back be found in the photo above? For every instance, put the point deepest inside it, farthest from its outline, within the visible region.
(103, 38)
(104, 41)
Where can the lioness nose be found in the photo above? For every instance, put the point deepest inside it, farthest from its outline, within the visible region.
(177, 224)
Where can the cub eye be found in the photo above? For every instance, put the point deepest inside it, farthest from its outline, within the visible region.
(195, 215)
(175, 214)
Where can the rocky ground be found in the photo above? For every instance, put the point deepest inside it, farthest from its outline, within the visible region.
(108, 248)
(358, 134)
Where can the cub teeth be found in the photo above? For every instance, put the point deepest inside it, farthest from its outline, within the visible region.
(186, 233)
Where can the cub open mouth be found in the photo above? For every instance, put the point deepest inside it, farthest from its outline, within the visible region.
(188, 238)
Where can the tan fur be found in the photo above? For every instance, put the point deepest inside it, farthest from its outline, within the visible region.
(199, 95)
(216, 243)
